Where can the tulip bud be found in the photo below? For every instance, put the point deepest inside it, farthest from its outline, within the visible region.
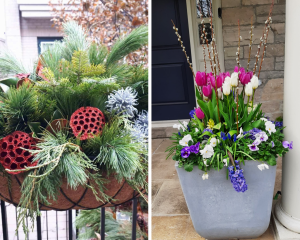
(234, 81)
(248, 89)
(207, 91)
(220, 95)
(201, 78)
(254, 82)
(199, 113)
(226, 87)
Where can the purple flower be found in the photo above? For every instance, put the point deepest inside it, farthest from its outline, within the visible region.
(234, 138)
(273, 144)
(207, 130)
(223, 136)
(179, 134)
(185, 152)
(252, 133)
(192, 113)
(262, 136)
(253, 146)
(278, 124)
(195, 148)
(237, 178)
(286, 144)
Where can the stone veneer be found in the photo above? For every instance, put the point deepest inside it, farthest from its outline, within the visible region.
(270, 93)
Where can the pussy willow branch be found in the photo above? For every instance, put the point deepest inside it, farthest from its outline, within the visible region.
(239, 45)
(203, 37)
(261, 39)
(250, 44)
(187, 57)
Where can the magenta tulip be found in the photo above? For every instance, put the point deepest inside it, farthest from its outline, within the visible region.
(199, 113)
(220, 80)
(207, 91)
(245, 77)
(210, 78)
(201, 78)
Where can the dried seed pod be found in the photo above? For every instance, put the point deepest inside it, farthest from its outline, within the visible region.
(87, 122)
(13, 155)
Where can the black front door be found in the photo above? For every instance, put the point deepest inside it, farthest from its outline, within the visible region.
(172, 80)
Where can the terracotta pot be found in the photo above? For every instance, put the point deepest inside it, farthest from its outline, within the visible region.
(81, 198)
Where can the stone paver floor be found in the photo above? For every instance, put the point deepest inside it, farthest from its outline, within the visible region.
(170, 215)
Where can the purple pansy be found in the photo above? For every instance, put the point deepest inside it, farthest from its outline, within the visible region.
(252, 133)
(195, 148)
(262, 136)
(253, 146)
(286, 144)
(273, 144)
(185, 152)
(237, 178)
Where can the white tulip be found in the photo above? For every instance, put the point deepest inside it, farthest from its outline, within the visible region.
(185, 140)
(234, 80)
(226, 88)
(248, 89)
(254, 81)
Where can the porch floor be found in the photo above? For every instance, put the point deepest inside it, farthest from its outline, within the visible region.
(170, 215)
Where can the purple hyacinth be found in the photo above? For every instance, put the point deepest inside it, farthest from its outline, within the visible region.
(195, 148)
(185, 152)
(237, 178)
(192, 113)
(279, 124)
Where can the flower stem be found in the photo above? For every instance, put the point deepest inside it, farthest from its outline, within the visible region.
(253, 98)
(248, 103)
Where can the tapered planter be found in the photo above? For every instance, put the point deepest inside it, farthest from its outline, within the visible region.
(219, 212)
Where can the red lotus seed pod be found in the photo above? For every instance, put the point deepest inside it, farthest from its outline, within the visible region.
(87, 122)
(12, 154)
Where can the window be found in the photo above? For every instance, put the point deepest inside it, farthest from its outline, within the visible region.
(45, 42)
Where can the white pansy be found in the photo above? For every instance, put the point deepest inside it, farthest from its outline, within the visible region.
(213, 142)
(205, 176)
(207, 151)
(248, 89)
(264, 119)
(196, 130)
(185, 140)
(254, 81)
(234, 80)
(263, 166)
(270, 127)
(241, 133)
(226, 87)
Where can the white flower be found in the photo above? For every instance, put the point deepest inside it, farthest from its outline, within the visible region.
(205, 163)
(220, 95)
(185, 140)
(185, 124)
(234, 80)
(248, 89)
(226, 87)
(178, 126)
(263, 166)
(207, 151)
(205, 176)
(250, 108)
(225, 162)
(254, 81)
(264, 119)
(196, 130)
(270, 127)
(206, 99)
(213, 142)
(241, 133)
(262, 136)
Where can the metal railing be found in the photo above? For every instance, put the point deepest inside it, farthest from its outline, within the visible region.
(70, 234)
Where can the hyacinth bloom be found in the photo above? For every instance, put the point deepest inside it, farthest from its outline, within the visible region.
(192, 113)
(199, 113)
(237, 178)
(201, 79)
(207, 91)
(185, 152)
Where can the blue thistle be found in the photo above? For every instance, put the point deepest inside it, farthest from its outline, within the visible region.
(237, 178)
(142, 122)
(123, 101)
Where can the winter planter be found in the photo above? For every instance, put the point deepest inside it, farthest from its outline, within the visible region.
(219, 212)
(228, 136)
(52, 120)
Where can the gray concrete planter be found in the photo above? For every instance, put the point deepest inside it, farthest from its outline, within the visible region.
(219, 212)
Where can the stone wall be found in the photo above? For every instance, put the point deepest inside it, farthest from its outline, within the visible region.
(270, 93)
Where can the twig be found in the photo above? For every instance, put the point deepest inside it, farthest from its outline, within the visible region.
(250, 44)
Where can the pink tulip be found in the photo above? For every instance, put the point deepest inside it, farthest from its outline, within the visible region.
(199, 113)
(245, 77)
(237, 69)
(220, 80)
(207, 91)
(201, 78)
(210, 78)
